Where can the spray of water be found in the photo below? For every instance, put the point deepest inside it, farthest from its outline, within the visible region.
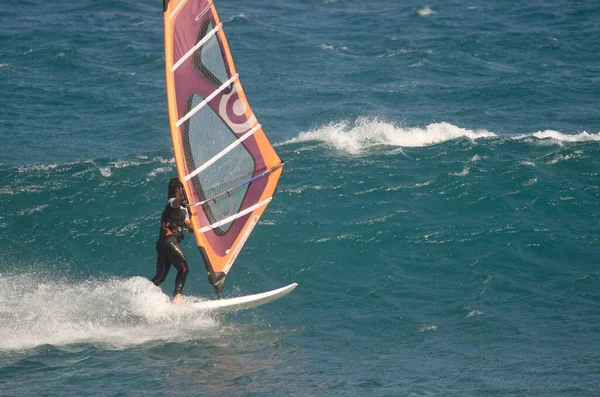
(116, 313)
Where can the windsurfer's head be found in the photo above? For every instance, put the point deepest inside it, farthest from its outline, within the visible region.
(175, 188)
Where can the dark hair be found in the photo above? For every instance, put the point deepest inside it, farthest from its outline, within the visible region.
(174, 184)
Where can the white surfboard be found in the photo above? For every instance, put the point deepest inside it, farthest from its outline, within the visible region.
(242, 302)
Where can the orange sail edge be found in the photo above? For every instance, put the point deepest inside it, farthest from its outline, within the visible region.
(168, 7)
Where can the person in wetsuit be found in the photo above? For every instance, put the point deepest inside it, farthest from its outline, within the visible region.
(174, 218)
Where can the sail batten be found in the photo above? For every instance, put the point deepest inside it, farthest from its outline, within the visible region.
(176, 9)
(223, 157)
(238, 186)
(204, 11)
(221, 154)
(234, 217)
(210, 97)
(196, 47)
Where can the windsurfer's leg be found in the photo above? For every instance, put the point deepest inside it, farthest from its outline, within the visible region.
(162, 267)
(178, 260)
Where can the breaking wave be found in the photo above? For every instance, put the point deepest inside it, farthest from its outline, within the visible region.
(367, 133)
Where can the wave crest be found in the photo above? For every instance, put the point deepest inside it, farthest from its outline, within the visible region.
(561, 137)
(366, 133)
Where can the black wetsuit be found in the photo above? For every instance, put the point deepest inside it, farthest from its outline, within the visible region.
(167, 247)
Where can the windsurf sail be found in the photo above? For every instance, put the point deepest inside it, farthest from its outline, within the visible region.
(223, 157)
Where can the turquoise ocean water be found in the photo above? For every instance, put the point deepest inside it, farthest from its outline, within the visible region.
(439, 207)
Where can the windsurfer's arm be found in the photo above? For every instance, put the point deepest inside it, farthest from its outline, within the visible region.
(181, 202)
(178, 202)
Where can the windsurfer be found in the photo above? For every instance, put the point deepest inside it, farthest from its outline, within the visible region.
(174, 218)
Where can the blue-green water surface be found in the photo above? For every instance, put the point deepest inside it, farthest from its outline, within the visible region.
(439, 206)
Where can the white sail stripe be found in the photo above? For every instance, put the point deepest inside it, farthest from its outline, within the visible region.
(234, 217)
(221, 154)
(177, 9)
(204, 12)
(208, 99)
(194, 48)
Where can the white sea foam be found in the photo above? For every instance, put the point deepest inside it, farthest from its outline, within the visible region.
(40, 167)
(393, 53)
(425, 12)
(418, 64)
(529, 182)
(159, 170)
(427, 327)
(332, 47)
(236, 17)
(125, 163)
(464, 172)
(560, 158)
(560, 137)
(105, 171)
(366, 133)
(474, 313)
(369, 132)
(528, 163)
(115, 314)
(303, 188)
(32, 210)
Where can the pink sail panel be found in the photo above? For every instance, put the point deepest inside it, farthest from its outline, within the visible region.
(223, 156)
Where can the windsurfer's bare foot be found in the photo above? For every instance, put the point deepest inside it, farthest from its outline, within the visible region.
(178, 300)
